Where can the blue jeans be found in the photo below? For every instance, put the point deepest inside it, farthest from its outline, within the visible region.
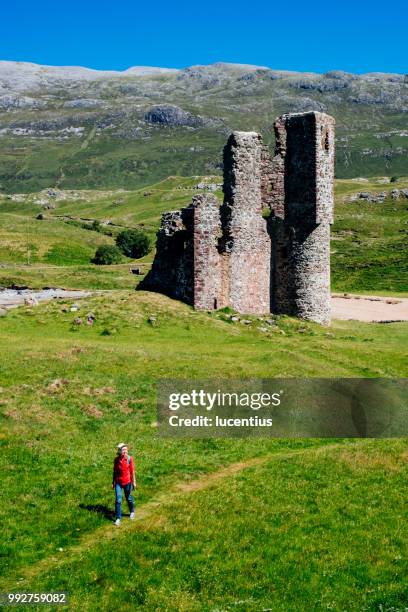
(118, 501)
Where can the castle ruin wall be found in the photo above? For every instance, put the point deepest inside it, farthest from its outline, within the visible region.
(245, 244)
(213, 256)
(301, 235)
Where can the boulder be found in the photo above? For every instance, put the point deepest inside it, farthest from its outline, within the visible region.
(173, 116)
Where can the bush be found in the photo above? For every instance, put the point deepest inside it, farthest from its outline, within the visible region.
(133, 243)
(107, 254)
(394, 179)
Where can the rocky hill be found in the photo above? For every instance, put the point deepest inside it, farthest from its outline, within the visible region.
(72, 127)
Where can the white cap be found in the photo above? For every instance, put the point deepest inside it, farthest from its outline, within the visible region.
(121, 445)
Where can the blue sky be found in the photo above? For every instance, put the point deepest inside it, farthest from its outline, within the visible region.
(357, 36)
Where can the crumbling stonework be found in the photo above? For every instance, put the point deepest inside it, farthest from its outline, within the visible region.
(302, 210)
(245, 246)
(213, 256)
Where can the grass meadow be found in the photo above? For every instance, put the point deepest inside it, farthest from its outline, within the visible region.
(369, 249)
(221, 524)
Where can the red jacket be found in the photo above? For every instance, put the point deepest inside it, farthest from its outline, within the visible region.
(123, 470)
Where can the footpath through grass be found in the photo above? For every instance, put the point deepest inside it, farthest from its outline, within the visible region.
(314, 529)
(271, 534)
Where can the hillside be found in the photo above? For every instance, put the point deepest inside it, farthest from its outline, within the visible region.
(369, 249)
(76, 128)
(237, 524)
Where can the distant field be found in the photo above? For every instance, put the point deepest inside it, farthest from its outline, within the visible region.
(369, 240)
(369, 247)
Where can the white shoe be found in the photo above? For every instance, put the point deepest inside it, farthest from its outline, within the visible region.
(132, 516)
(117, 522)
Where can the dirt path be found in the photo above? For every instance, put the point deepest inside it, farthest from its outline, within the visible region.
(150, 513)
(369, 308)
(11, 298)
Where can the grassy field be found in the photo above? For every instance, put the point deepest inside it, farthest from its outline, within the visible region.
(369, 247)
(369, 241)
(222, 524)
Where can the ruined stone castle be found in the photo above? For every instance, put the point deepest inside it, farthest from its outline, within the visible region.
(266, 248)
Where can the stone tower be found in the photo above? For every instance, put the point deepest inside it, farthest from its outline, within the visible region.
(302, 211)
(245, 246)
(231, 255)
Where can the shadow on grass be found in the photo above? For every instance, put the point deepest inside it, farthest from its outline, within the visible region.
(108, 513)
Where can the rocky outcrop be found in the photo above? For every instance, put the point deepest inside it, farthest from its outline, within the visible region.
(378, 197)
(172, 116)
(82, 103)
(12, 101)
(200, 76)
(322, 86)
(301, 105)
(339, 74)
(260, 73)
(397, 194)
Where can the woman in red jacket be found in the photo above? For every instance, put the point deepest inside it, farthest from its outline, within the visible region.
(124, 478)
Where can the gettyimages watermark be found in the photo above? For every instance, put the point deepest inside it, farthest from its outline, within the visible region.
(283, 408)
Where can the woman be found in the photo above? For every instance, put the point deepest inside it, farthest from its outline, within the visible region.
(124, 477)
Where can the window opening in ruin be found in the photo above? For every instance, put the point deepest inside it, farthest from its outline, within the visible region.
(215, 303)
(325, 139)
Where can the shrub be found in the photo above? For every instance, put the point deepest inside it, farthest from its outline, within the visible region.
(394, 179)
(95, 226)
(133, 243)
(107, 254)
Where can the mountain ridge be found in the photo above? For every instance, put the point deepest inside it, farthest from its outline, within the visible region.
(76, 127)
(156, 69)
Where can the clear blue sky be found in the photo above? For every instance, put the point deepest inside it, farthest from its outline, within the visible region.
(353, 35)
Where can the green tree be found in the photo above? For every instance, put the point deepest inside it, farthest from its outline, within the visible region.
(133, 243)
(96, 226)
(107, 254)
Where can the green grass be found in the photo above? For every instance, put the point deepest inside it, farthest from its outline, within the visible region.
(302, 531)
(369, 247)
(24, 239)
(273, 535)
(70, 277)
(369, 241)
(298, 525)
(29, 165)
(144, 206)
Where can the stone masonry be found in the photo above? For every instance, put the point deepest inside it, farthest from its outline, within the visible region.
(267, 247)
